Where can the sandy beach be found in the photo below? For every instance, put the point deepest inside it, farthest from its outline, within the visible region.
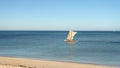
(8, 62)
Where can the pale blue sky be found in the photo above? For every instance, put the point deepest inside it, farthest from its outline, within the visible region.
(59, 14)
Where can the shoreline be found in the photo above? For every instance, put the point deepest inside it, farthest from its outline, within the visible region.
(6, 62)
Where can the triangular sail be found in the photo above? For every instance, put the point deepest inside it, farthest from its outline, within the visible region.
(71, 35)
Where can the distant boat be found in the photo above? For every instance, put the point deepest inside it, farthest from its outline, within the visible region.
(70, 37)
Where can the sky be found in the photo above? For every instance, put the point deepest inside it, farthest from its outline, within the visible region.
(60, 15)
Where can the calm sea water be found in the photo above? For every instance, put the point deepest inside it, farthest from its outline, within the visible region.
(97, 47)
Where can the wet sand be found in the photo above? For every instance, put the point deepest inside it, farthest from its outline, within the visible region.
(10, 62)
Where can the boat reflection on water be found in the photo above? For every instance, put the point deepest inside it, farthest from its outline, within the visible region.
(71, 44)
(71, 51)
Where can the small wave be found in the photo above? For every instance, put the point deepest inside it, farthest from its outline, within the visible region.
(99, 41)
(115, 42)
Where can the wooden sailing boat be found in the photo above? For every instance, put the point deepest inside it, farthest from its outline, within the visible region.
(70, 37)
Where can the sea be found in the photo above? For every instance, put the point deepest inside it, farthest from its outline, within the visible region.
(92, 47)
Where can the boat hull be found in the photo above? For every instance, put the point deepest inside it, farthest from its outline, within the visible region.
(69, 40)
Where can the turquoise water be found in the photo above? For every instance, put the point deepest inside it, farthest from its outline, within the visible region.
(96, 47)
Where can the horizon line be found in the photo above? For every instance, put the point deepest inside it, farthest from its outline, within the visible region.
(59, 30)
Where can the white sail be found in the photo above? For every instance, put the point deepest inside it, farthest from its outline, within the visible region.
(71, 35)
